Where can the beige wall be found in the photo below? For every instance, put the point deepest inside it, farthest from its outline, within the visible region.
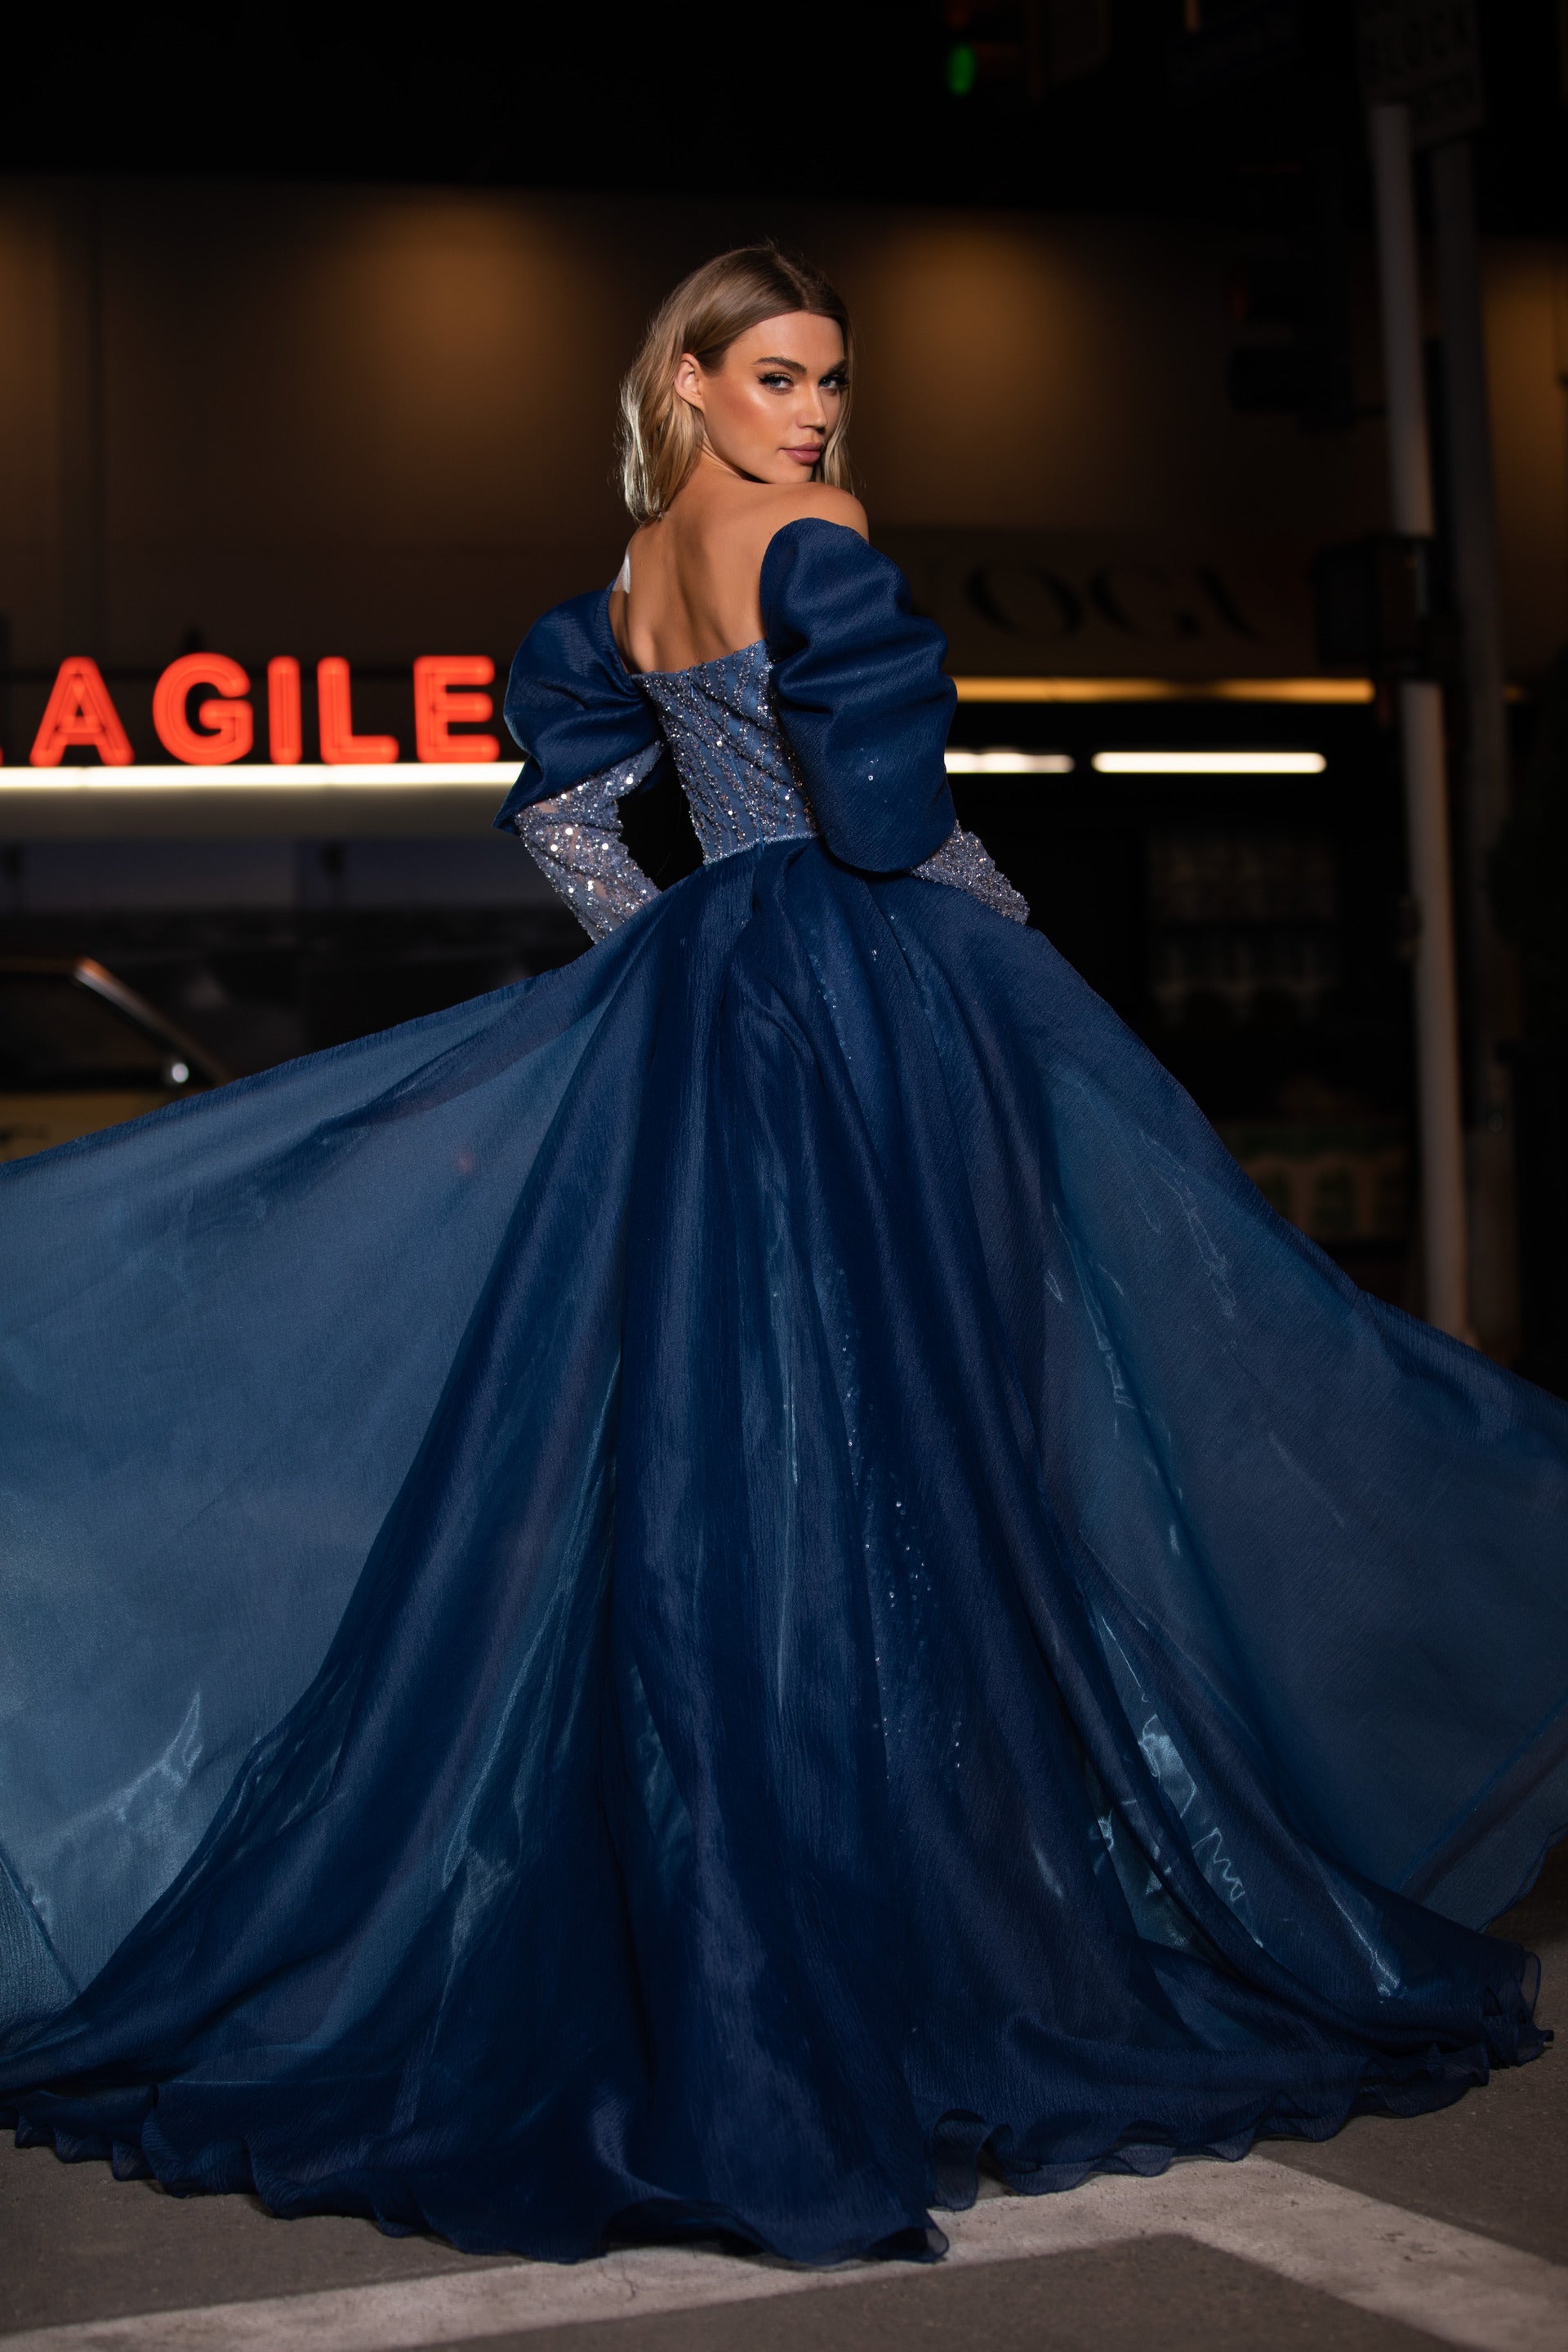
(1528, 351)
(378, 422)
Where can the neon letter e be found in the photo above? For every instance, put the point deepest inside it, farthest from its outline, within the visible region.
(438, 706)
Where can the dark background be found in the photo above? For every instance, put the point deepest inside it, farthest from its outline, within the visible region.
(852, 104)
(1244, 121)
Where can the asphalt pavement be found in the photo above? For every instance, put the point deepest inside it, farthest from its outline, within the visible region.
(1452, 2229)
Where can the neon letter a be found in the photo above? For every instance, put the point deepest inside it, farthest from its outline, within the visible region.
(79, 712)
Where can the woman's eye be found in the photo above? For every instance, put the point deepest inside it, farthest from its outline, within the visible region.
(776, 382)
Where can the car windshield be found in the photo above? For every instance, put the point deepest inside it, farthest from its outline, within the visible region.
(56, 1033)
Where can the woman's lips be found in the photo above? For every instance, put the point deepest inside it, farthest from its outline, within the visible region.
(807, 455)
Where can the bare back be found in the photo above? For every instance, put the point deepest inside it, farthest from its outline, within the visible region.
(695, 572)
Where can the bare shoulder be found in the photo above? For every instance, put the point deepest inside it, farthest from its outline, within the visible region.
(643, 541)
(816, 501)
(697, 573)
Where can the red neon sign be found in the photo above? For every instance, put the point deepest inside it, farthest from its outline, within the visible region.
(447, 693)
(224, 728)
(439, 705)
(79, 710)
(285, 729)
(340, 747)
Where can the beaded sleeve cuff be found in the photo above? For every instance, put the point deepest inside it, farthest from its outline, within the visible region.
(965, 863)
(576, 842)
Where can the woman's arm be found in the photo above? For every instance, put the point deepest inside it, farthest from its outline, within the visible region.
(575, 839)
(860, 690)
(589, 738)
(866, 706)
(965, 863)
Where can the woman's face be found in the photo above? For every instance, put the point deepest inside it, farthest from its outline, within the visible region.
(774, 398)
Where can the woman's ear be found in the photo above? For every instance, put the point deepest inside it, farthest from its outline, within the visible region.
(689, 382)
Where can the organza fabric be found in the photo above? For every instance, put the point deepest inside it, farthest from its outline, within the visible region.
(674, 1599)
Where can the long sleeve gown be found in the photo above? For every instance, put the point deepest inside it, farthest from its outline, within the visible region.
(680, 1598)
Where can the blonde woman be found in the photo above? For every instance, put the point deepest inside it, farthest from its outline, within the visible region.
(695, 1596)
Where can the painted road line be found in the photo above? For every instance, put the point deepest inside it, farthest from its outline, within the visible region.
(1457, 2286)
(1455, 2283)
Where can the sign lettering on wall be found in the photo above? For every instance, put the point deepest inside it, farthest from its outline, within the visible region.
(1103, 606)
(220, 728)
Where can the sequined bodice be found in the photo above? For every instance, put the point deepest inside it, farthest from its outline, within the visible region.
(719, 723)
(730, 751)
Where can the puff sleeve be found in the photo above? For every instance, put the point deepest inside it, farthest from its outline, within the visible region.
(860, 688)
(588, 738)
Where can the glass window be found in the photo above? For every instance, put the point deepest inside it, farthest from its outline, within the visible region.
(53, 1033)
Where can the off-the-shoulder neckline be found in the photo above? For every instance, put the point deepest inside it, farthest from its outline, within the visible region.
(637, 677)
(715, 661)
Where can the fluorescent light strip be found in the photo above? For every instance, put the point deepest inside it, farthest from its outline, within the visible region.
(1009, 763)
(171, 777)
(174, 777)
(424, 776)
(1210, 764)
(1165, 689)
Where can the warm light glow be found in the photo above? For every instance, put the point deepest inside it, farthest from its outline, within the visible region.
(80, 710)
(1165, 689)
(340, 747)
(259, 778)
(285, 729)
(1209, 763)
(1009, 763)
(439, 706)
(226, 730)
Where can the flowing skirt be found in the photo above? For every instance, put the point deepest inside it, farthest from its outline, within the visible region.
(678, 1598)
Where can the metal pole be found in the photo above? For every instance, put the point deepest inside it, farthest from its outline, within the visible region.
(1421, 728)
(1491, 972)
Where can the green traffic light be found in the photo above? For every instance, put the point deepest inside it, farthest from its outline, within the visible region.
(963, 69)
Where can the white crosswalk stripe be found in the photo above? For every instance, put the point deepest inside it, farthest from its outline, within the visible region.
(1457, 2286)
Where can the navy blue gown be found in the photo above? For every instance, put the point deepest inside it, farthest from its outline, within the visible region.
(681, 1598)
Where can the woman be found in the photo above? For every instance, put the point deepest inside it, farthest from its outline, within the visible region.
(684, 1598)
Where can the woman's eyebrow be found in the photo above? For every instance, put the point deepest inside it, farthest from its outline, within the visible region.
(794, 366)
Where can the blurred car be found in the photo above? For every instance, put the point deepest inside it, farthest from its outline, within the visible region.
(79, 1050)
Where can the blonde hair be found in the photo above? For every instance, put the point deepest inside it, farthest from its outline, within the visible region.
(661, 434)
